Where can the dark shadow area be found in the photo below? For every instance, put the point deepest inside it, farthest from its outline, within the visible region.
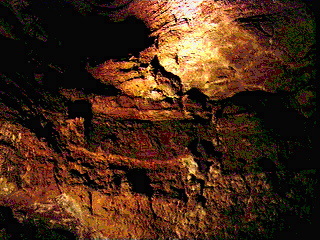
(12, 20)
(175, 81)
(53, 137)
(179, 194)
(12, 56)
(292, 131)
(44, 130)
(241, 164)
(95, 36)
(270, 169)
(11, 228)
(80, 79)
(197, 97)
(77, 78)
(117, 179)
(274, 110)
(73, 41)
(201, 199)
(21, 92)
(295, 228)
(236, 166)
(38, 126)
(140, 182)
(27, 99)
(12, 50)
(266, 165)
(109, 5)
(203, 149)
(82, 108)
(203, 165)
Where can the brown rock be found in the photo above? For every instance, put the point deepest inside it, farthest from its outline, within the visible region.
(171, 119)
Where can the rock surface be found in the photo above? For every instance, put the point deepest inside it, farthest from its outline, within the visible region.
(157, 119)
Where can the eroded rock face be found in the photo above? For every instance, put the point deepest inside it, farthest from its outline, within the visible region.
(168, 119)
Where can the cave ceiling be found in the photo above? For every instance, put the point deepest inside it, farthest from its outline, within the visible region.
(178, 119)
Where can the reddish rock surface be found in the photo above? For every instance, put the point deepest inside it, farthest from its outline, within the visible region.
(157, 119)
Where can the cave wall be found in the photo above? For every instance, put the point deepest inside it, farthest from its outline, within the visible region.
(157, 119)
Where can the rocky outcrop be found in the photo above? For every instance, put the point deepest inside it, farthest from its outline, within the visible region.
(157, 119)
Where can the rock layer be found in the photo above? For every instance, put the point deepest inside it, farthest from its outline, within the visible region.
(157, 119)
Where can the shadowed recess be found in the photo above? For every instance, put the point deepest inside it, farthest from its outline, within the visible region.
(11, 228)
(196, 96)
(82, 108)
(273, 109)
(140, 182)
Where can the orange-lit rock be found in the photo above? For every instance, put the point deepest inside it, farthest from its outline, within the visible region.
(157, 119)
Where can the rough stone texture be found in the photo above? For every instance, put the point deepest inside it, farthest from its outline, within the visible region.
(157, 119)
